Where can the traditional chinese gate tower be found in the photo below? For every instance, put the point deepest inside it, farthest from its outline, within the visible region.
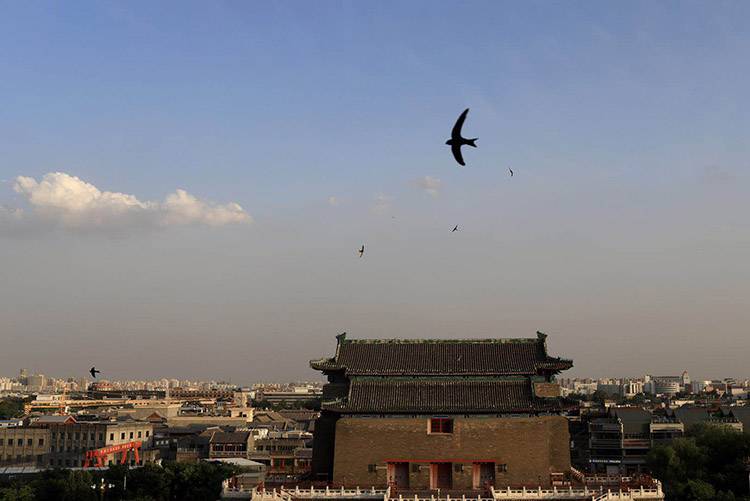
(449, 413)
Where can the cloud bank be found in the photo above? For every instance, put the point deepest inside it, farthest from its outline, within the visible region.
(429, 184)
(62, 200)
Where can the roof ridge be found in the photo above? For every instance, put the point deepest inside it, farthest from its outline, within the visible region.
(519, 340)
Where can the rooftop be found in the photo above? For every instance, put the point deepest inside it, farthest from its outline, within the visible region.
(442, 396)
(389, 357)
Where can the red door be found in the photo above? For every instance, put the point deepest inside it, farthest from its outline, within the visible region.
(441, 475)
(398, 474)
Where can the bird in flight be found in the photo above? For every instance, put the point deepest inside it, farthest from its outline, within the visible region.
(94, 372)
(511, 171)
(361, 250)
(455, 228)
(456, 140)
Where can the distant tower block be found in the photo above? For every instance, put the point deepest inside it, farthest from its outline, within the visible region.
(241, 397)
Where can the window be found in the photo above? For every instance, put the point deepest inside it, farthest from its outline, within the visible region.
(111, 436)
(91, 436)
(20, 441)
(122, 436)
(29, 442)
(131, 434)
(78, 436)
(139, 434)
(53, 435)
(1, 441)
(41, 442)
(147, 432)
(101, 437)
(441, 425)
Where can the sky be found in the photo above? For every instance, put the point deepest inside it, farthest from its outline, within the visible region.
(184, 185)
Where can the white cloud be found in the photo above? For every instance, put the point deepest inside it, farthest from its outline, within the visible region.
(60, 199)
(382, 204)
(333, 201)
(429, 184)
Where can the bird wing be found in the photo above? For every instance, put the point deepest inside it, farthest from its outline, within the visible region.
(456, 132)
(456, 149)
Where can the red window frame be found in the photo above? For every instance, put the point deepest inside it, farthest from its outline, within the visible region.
(442, 426)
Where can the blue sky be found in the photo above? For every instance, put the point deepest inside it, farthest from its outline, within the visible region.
(626, 124)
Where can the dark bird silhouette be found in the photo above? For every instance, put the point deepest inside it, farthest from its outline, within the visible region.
(361, 250)
(455, 228)
(94, 372)
(511, 172)
(456, 140)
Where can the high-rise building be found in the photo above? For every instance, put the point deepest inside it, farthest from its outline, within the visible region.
(36, 382)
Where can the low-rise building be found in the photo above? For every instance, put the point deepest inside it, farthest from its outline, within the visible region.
(287, 453)
(237, 444)
(69, 442)
(23, 445)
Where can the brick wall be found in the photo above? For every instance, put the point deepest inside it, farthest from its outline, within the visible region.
(531, 447)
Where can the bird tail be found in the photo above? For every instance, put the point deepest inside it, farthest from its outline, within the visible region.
(471, 142)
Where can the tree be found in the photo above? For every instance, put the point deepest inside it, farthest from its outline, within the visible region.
(18, 493)
(149, 482)
(193, 482)
(698, 490)
(708, 464)
(64, 485)
(173, 481)
(11, 408)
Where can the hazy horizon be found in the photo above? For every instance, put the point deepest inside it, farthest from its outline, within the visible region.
(183, 187)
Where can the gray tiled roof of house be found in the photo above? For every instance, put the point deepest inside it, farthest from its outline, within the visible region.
(389, 357)
(477, 395)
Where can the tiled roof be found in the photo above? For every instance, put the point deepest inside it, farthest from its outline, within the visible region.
(55, 420)
(634, 419)
(441, 396)
(230, 438)
(439, 356)
(743, 415)
(689, 415)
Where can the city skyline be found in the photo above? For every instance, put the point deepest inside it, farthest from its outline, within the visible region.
(314, 379)
(184, 191)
